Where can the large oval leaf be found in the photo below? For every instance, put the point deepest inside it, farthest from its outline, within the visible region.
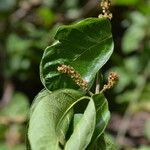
(84, 129)
(104, 142)
(86, 46)
(47, 125)
(102, 117)
(102, 113)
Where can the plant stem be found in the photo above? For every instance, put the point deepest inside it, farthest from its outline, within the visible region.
(97, 90)
(90, 93)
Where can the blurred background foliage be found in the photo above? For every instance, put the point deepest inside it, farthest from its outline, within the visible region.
(27, 27)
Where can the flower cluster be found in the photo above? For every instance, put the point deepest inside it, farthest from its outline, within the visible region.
(70, 71)
(105, 4)
(112, 80)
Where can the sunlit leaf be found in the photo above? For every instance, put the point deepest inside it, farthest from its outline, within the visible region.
(86, 46)
(83, 130)
(51, 117)
(102, 117)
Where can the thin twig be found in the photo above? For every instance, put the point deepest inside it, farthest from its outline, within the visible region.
(90, 93)
(97, 90)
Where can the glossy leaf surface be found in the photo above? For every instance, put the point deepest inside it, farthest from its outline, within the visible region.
(102, 117)
(84, 129)
(86, 46)
(104, 142)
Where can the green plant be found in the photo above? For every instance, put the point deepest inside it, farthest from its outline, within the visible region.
(66, 114)
(12, 122)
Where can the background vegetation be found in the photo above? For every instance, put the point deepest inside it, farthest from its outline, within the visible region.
(27, 27)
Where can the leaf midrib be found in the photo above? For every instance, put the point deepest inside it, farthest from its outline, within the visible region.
(92, 47)
(66, 110)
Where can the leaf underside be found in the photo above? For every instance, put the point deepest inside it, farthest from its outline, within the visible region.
(86, 46)
(47, 126)
(52, 113)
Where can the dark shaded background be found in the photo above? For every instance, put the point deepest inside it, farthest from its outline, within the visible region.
(27, 27)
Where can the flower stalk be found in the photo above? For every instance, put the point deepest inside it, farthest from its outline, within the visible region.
(70, 71)
(112, 80)
(105, 5)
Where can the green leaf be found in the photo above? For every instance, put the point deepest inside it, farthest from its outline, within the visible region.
(3, 129)
(135, 33)
(105, 142)
(144, 147)
(41, 95)
(6, 5)
(16, 49)
(147, 129)
(4, 146)
(132, 38)
(46, 16)
(125, 2)
(19, 147)
(125, 97)
(86, 46)
(17, 107)
(84, 129)
(102, 117)
(76, 119)
(50, 118)
(68, 4)
(139, 19)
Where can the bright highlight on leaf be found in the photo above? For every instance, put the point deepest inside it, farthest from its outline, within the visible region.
(68, 119)
(51, 116)
(86, 46)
